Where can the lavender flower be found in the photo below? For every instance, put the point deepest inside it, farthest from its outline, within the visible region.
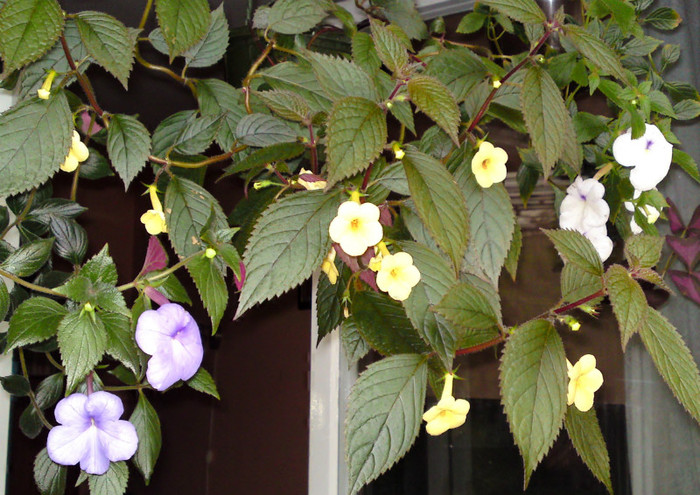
(650, 155)
(171, 336)
(91, 433)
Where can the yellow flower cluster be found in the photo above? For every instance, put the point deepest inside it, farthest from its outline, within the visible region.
(584, 380)
(154, 219)
(448, 413)
(78, 153)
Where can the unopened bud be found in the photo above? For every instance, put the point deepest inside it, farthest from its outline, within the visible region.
(88, 307)
(496, 83)
(210, 253)
(262, 184)
(398, 152)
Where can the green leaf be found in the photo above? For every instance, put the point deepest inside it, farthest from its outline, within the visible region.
(329, 310)
(589, 126)
(577, 284)
(390, 48)
(471, 22)
(383, 324)
(28, 28)
(35, 320)
(357, 133)
(623, 13)
(50, 478)
(384, 415)
(203, 382)
(183, 23)
(440, 203)
(435, 100)
(29, 258)
(525, 11)
(174, 290)
(628, 302)
(664, 18)
(299, 79)
(595, 50)
(295, 16)
(364, 53)
(197, 135)
(686, 109)
(286, 104)
(101, 268)
(340, 78)
(260, 158)
(108, 42)
(354, 345)
(467, 306)
(491, 222)
(516, 244)
(15, 385)
(147, 424)
(546, 117)
(4, 301)
(459, 69)
(436, 279)
(82, 340)
(262, 130)
(216, 97)
(50, 390)
(643, 251)
(585, 435)
(641, 47)
(35, 137)
(687, 163)
(533, 389)
(673, 360)
(670, 54)
(210, 49)
(576, 249)
(211, 285)
(128, 146)
(113, 482)
(405, 15)
(287, 244)
(120, 340)
(70, 239)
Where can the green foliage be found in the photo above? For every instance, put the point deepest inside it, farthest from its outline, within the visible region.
(296, 16)
(458, 69)
(83, 340)
(15, 385)
(209, 279)
(576, 249)
(354, 345)
(35, 320)
(643, 251)
(384, 413)
(217, 97)
(329, 311)
(120, 340)
(521, 10)
(628, 301)
(203, 382)
(113, 482)
(301, 80)
(183, 23)
(467, 306)
(595, 50)
(212, 47)
(145, 420)
(435, 100)
(128, 146)
(533, 388)
(390, 48)
(340, 78)
(26, 260)
(262, 130)
(286, 104)
(585, 434)
(50, 478)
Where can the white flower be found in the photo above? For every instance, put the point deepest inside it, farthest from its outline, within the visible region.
(584, 208)
(600, 240)
(650, 155)
(649, 212)
(356, 227)
(397, 275)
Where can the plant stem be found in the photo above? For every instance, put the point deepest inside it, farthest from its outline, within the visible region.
(22, 214)
(164, 273)
(123, 388)
(159, 68)
(251, 73)
(146, 13)
(312, 147)
(365, 180)
(575, 304)
(29, 285)
(90, 383)
(32, 397)
(481, 347)
(84, 84)
(53, 361)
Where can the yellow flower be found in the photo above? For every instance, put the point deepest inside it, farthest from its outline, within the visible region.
(489, 164)
(329, 268)
(356, 227)
(397, 275)
(310, 186)
(154, 219)
(584, 380)
(448, 413)
(45, 91)
(78, 153)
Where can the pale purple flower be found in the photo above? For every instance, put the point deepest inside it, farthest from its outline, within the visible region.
(171, 336)
(91, 433)
(584, 208)
(650, 155)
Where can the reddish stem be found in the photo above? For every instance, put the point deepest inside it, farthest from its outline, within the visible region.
(90, 388)
(578, 303)
(365, 181)
(481, 347)
(312, 146)
(81, 80)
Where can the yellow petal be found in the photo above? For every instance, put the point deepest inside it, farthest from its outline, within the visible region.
(431, 413)
(583, 400)
(154, 221)
(70, 163)
(80, 151)
(43, 94)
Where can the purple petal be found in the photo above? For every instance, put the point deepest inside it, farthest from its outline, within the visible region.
(66, 445)
(156, 296)
(674, 218)
(156, 257)
(163, 372)
(187, 351)
(151, 332)
(119, 440)
(71, 411)
(236, 280)
(694, 225)
(94, 460)
(104, 407)
(385, 217)
(687, 285)
(686, 249)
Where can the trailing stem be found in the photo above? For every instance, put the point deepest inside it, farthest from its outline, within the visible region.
(32, 396)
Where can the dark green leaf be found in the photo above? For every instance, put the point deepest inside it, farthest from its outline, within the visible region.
(120, 340)
(71, 239)
(216, 97)
(687, 163)
(197, 135)
(574, 248)
(83, 341)
(686, 109)
(628, 302)
(50, 390)
(203, 382)
(434, 99)
(15, 385)
(286, 104)
(29, 258)
(183, 22)
(147, 424)
(35, 320)
(295, 16)
(262, 130)
(4, 301)
(459, 69)
(113, 482)
(354, 345)
(261, 157)
(128, 146)
(467, 306)
(340, 78)
(389, 47)
(643, 251)
(516, 244)
(210, 49)
(50, 478)
(664, 18)
(364, 53)
(595, 50)
(211, 286)
(329, 309)
(471, 22)
(299, 79)
(585, 435)
(521, 10)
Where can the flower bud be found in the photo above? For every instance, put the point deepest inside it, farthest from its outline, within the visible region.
(210, 253)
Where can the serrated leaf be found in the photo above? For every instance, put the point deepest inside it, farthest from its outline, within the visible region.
(643, 251)
(216, 97)
(437, 277)
(686, 109)
(299, 79)
(82, 341)
(577, 284)
(35, 138)
(28, 28)
(687, 163)
(183, 22)
(295, 16)
(384, 416)
(364, 53)
(113, 482)
(4, 304)
(533, 389)
(357, 132)
(458, 69)
(673, 360)
(35, 320)
(439, 202)
(50, 478)
(329, 310)
(287, 244)
(169, 130)
(128, 146)
(585, 435)
(354, 345)
(389, 47)
(210, 49)
(197, 135)
(340, 78)
(471, 22)
(262, 130)
(263, 156)
(525, 11)
(546, 117)
(664, 18)
(211, 286)
(574, 248)
(26, 260)
(147, 424)
(628, 302)
(623, 13)
(120, 340)
(203, 382)
(516, 244)
(286, 104)
(467, 306)
(435, 100)
(108, 42)
(101, 268)
(595, 50)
